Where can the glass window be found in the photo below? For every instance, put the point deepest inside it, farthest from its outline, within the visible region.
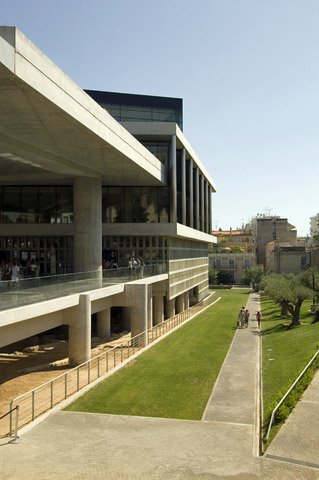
(29, 204)
(64, 204)
(12, 204)
(47, 204)
(231, 264)
(164, 115)
(149, 202)
(163, 204)
(114, 209)
(135, 113)
(1, 205)
(134, 206)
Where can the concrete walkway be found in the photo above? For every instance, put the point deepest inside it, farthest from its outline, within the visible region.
(223, 445)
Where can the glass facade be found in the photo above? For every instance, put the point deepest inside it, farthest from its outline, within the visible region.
(36, 204)
(119, 249)
(53, 254)
(54, 204)
(160, 150)
(126, 107)
(135, 205)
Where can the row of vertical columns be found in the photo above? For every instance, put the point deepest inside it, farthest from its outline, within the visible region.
(200, 209)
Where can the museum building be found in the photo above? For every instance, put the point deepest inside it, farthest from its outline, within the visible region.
(92, 178)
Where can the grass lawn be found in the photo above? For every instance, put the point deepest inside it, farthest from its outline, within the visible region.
(175, 377)
(286, 351)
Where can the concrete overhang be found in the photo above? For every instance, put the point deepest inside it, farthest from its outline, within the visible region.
(175, 230)
(50, 129)
(164, 130)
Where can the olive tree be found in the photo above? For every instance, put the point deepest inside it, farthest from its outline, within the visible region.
(287, 291)
(254, 274)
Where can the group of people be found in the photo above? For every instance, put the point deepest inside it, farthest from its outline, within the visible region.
(15, 270)
(243, 318)
(136, 266)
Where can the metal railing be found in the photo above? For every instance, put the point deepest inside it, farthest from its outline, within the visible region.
(26, 291)
(287, 393)
(10, 429)
(41, 399)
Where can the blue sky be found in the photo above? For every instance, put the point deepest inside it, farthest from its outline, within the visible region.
(247, 70)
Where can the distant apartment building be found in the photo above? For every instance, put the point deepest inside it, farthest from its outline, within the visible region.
(242, 238)
(269, 229)
(233, 253)
(282, 257)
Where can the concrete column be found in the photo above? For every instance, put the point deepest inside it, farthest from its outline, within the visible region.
(88, 225)
(196, 223)
(150, 309)
(103, 324)
(139, 311)
(191, 194)
(207, 206)
(202, 193)
(180, 303)
(186, 300)
(210, 209)
(183, 186)
(80, 332)
(170, 307)
(158, 310)
(173, 181)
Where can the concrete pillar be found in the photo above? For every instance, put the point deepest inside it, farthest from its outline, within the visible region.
(202, 193)
(196, 223)
(191, 194)
(173, 181)
(170, 307)
(207, 206)
(88, 225)
(210, 209)
(158, 310)
(186, 300)
(183, 186)
(80, 332)
(139, 311)
(150, 309)
(180, 303)
(103, 324)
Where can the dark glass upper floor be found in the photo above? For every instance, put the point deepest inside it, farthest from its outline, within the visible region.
(126, 107)
(54, 204)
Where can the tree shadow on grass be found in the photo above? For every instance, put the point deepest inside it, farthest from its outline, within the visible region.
(282, 327)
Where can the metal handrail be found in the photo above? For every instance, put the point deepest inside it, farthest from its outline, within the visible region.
(16, 424)
(287, 393)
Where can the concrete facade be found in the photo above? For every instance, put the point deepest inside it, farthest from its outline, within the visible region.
(62, 149)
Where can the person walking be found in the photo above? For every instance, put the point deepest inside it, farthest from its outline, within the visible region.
(241, 318)
(258, 319)
(246, 315)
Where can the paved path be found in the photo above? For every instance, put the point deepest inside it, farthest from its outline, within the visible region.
(80, 446)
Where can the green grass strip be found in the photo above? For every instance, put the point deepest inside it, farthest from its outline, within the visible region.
(286, 352)
(175, 377)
